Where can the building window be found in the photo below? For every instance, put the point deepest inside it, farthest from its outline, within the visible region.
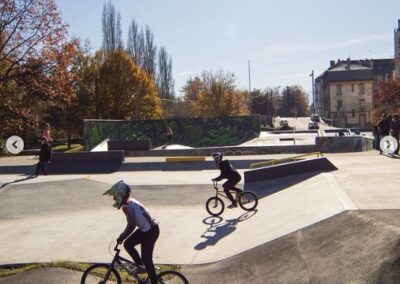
(338, 89)
(353, 113)
(362, 90)
(362, 104)
(339, 105)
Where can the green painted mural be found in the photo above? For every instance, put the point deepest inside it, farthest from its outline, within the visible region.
(194, 132)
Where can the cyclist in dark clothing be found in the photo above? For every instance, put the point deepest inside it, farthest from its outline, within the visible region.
(230, 173)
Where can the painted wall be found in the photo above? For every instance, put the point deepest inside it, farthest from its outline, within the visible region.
(194, 132)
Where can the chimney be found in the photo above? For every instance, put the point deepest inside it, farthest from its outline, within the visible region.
(332, 63)
(348, 64)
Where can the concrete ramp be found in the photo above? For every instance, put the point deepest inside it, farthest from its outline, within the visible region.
(321, 164)
(351, 247)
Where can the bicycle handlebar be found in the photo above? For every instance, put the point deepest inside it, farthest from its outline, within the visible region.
(215, 183)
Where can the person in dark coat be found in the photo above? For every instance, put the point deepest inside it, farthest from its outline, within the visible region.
(395, 130)
(383, 128)
(44, 156)
(231, 174)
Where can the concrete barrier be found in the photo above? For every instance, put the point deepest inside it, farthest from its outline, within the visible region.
(129, 145)
(86, 162)
(291, 168)
(337, 144)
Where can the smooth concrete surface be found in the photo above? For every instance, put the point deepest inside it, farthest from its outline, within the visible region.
(65, 217)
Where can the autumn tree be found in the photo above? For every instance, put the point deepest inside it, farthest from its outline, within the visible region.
(124, 91)
(293, 102)
(29, 29)
(387, 98)
(215, 94)
(135, 44)
(149, 54)
(31, 35)
(111, 24)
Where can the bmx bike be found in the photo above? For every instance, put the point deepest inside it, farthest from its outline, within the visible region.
(247, 200)
(109, 272)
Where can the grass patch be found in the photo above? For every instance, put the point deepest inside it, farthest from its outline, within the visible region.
(64, 148)
(9, 270)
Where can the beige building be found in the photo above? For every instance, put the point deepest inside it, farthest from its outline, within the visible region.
(344, 93)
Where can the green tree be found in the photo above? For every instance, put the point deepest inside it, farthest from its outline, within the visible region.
(293, 102)
(124, 91)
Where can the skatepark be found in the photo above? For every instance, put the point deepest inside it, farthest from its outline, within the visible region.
(337, 226)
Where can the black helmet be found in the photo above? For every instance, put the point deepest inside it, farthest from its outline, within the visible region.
(218, 156)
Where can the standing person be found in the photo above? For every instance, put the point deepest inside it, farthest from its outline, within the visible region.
(46, 132)
(170, 134)
(376, 137)
(147, 233)
(44, 156)
(395, 130)
(383, 129)
(230, 173)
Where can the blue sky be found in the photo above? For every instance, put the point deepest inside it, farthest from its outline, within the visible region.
(284, 40)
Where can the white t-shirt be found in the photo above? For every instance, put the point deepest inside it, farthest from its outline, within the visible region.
(138, 215)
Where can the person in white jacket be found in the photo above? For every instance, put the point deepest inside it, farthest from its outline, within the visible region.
(147, 231)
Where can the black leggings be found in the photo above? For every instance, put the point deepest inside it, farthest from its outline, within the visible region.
(147, 241)
(230, 185)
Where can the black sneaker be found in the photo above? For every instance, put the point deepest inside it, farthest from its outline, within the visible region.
(233, 205)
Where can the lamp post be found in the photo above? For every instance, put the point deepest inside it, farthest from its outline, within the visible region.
(249, 77)
(313, 92)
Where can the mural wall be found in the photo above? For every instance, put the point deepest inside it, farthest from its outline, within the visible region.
(194, 132)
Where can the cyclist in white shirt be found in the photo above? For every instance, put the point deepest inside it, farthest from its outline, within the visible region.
(147, 233)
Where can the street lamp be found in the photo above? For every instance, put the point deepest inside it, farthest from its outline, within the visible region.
(313, 93)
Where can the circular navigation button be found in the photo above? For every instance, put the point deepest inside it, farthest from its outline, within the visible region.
(15, 144)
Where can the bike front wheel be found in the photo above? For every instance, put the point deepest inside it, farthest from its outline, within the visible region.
(248, 201)
(215, 206)
(97, 274)
(171, 277)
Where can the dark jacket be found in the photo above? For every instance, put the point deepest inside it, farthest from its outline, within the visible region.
(227, 171)
(383, 127)
(395, 128)
(45, 152)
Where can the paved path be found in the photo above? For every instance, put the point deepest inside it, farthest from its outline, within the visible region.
(65, 217)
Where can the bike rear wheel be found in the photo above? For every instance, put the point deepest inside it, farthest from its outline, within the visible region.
(215, 206)
(171, 277)
(248, 201)
(97, 273)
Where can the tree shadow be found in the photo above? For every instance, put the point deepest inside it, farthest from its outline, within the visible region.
(218, 229)
(18, 180)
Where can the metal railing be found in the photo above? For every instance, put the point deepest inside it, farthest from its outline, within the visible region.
(284, 160)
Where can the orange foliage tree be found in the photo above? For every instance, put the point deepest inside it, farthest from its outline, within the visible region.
(215, 94)
(124, 91)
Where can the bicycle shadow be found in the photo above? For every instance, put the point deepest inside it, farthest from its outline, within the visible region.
(219, 229)
(18, 180)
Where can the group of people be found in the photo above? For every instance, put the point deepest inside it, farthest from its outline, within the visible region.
(148, 231)
(387, 125)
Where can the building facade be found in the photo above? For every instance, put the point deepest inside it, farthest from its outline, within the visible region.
(345, 91)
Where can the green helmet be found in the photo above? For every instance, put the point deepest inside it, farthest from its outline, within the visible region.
(119, 191)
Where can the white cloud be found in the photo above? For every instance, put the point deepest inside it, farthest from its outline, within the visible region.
(300, 47)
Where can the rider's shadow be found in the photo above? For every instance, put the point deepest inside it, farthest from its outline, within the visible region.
(219, 229)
